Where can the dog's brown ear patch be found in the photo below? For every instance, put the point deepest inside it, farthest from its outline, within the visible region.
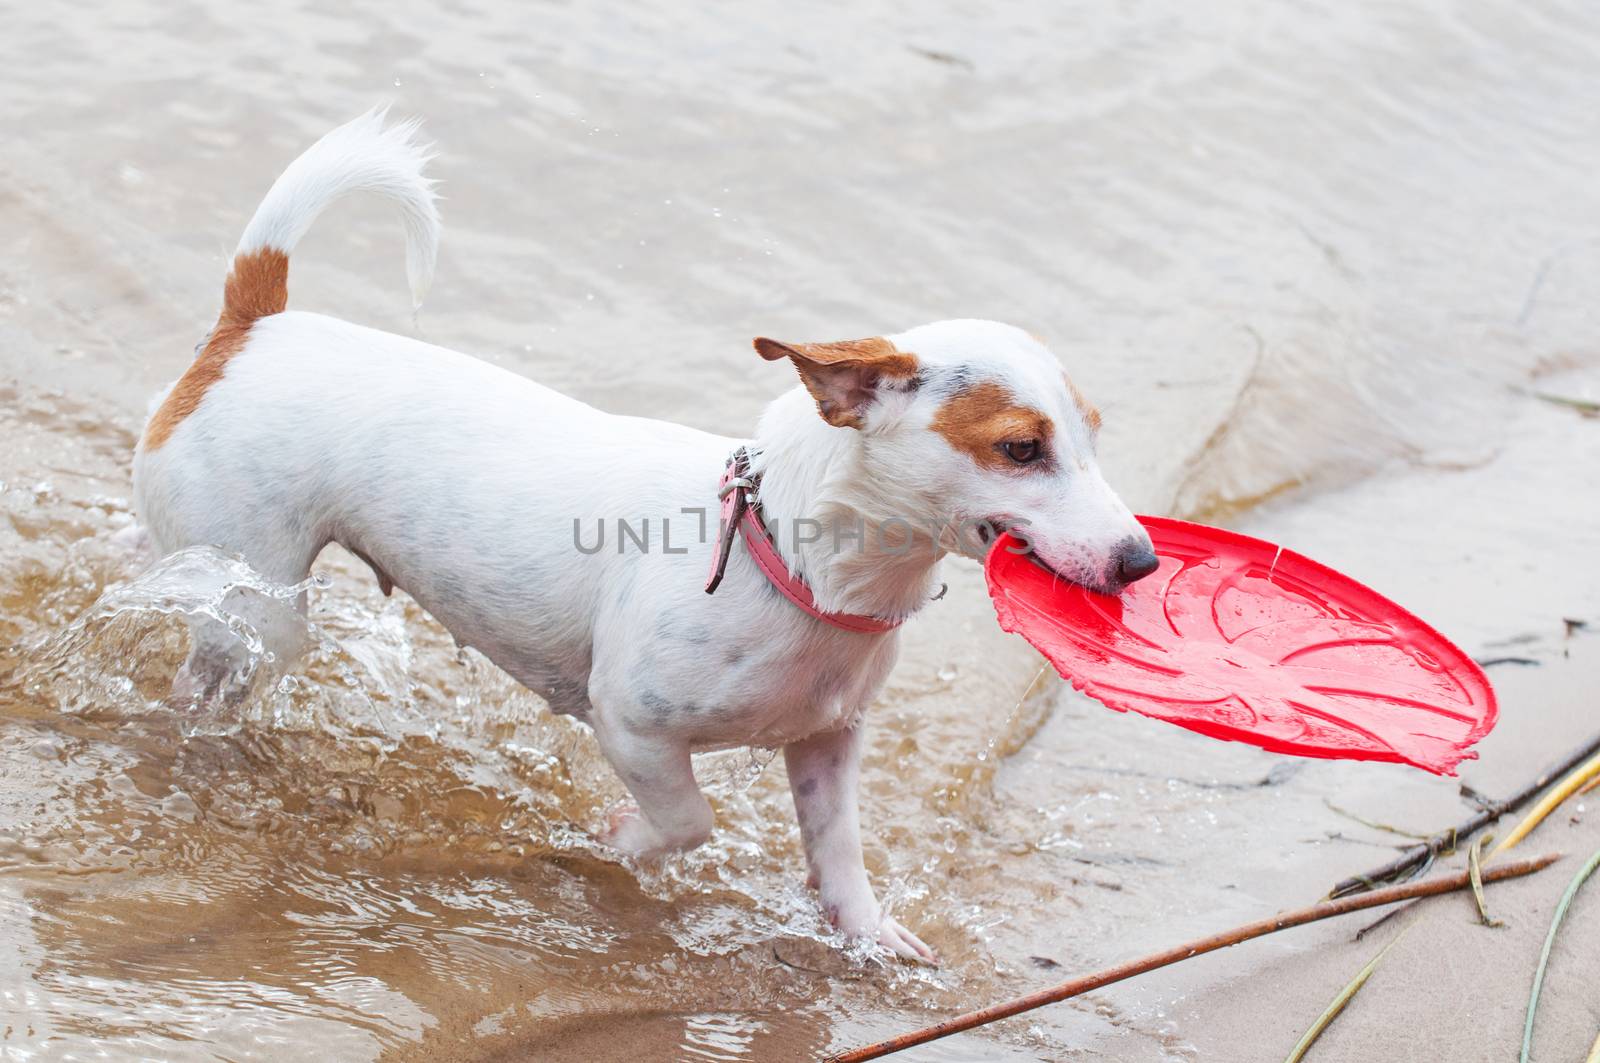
(978, 419)
(843, 377)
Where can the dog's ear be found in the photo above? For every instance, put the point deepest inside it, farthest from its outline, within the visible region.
(844, 377)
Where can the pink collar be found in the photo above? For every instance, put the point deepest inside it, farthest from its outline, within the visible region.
(737, 511)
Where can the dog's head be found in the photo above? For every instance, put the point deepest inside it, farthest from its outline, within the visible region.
(975, 425)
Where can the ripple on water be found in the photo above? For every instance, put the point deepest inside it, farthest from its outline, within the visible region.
(358, 841)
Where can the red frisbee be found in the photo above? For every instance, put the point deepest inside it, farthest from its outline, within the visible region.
(1243, 640)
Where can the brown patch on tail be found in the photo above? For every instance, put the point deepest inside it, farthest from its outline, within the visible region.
(980, 418)
(257, 287)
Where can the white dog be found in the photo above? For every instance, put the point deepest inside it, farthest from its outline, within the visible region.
(483, 495)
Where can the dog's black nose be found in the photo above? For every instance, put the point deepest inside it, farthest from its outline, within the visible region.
(1135, 560)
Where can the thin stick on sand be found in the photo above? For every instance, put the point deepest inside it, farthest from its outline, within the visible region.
(1417, 856)
(1282, 921)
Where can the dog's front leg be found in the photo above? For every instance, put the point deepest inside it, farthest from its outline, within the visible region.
(672, 814)
(823, 773)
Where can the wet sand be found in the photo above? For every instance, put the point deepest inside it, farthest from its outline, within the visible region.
(1308, 260)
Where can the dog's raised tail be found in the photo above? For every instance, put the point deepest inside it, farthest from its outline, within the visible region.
(363, 155)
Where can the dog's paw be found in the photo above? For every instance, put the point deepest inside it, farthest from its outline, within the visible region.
(903, 943)
(627, 832)
(872, 924)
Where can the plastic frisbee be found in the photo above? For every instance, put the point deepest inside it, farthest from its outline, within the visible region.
(1243, 640)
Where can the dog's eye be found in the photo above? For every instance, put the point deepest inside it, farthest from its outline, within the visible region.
(1022, 451)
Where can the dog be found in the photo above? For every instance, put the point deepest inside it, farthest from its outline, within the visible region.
(480, 493)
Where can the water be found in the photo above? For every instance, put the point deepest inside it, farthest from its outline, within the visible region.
(1283, 248)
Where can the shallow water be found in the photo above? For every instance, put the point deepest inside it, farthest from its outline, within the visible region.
(1282, 247)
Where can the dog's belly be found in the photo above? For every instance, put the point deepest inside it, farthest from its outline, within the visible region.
(743, 668)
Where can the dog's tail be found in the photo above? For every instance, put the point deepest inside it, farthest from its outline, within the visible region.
(359, 156)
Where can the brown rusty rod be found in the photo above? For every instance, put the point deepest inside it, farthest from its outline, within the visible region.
(1282, 921)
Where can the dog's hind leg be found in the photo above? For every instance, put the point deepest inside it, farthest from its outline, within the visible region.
(237, 629)
(245, 634)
